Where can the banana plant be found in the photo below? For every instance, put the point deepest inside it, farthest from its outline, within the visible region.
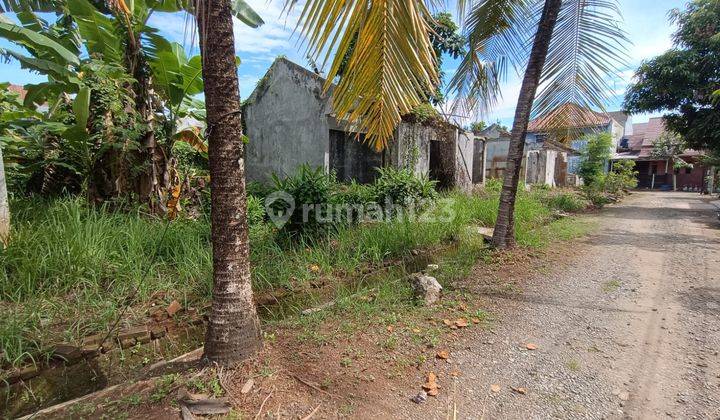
(117, 33)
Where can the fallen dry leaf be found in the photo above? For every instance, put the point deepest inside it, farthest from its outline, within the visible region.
(447, 322)
(495, 388)
(314, 268)
(431, 384)
(443, 354)
(432, 392)
(173, 308)
(461, 322)
(531, 346)
(519, 390)
(248, 386)
(476, 320)
(390, 328)
(416, 330)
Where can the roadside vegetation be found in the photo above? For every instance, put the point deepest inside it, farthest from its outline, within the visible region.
(102, 259)
(603, 186)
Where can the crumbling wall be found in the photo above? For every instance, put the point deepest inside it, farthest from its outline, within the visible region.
(410, 148)
(478, 165)
(464, 159)
(286, 122)
(352, 159)
(496, 158)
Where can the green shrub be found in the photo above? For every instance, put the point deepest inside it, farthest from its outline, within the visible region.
(354, 194)
(401, 187)
(494, 185)
(595, 194)
(258, 189)
(594, 157)
(309, 188)
(566, 201)
(255, 210)
(189, 160)
(424, 113)
(622, 177)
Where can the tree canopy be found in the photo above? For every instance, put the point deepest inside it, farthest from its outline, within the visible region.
(685, 79)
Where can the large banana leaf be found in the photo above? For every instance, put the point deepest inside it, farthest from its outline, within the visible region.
(42, 66)
(81, 107)
(40, 44)
(246, 14)
(39, 93)
(173, 74)
(192, 76)
(36, 5)
(97, 30)
(165, 60)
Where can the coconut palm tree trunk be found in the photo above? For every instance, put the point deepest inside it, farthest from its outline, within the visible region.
(504, 234)
(233, 332)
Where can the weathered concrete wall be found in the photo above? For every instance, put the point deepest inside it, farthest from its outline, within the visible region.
(410, 148)
(352, 159)
(496, 158)
(286, 122)
(478, 165)
(546, 167)
(464, 159)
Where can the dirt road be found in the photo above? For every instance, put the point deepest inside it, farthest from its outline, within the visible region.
(628, 329)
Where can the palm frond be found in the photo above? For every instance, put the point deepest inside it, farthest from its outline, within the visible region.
(390, 67)
(587, 50)
(498, 32)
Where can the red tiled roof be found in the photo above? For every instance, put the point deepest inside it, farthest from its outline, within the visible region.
(645, 134)
(568, 115)
(19, 90)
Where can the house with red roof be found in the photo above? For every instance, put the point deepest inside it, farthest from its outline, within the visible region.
(570, 123)
(654, 172)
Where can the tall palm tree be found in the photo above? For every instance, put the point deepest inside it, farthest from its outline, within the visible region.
(233, 332)
(577, 46)
(391, 65)
(504, 233)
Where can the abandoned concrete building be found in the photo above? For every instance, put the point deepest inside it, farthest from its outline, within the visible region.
(290, 121)
(544, 162)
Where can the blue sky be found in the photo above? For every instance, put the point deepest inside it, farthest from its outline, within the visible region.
(645, 21)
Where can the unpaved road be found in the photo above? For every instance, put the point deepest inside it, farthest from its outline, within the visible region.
(628, 329)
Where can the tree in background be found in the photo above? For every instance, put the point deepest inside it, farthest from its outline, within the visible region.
(669, 147)
(446, 39)
(685, 80)
(478, 126)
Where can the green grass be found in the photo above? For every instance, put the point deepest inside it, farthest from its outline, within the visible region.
(611, 285)
(70, 269)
